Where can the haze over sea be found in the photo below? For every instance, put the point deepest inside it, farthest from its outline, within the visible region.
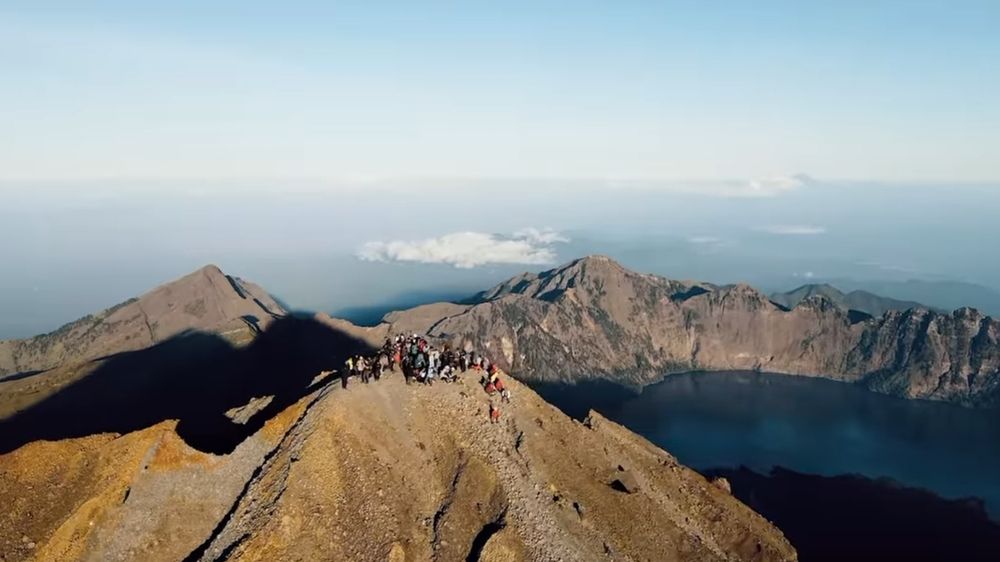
(79, 250)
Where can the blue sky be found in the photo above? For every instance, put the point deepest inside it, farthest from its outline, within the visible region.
(355, 154)
(900, 91)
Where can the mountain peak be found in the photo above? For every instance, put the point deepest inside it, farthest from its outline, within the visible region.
(206, 299)
(595, 265)
(210, 269)
(594, 275)
(596, 259)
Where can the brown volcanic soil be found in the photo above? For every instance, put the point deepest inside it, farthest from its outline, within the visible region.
(379, 472)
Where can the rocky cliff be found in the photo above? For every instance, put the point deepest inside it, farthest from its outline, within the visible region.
(207, 300)
(594, 318)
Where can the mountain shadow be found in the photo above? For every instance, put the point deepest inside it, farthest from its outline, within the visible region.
(852, 517)
(195, 378)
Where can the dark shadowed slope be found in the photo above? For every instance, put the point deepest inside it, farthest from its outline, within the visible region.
(194, 377)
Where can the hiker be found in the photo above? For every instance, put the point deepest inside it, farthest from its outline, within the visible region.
(505, 395)
(419, 362)
(407, 367)
(362, 368)
(494, 413)
(383, 362)
(434, 358)
(348, 369)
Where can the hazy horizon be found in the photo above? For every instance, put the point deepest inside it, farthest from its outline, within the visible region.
(344, 252)
(347, 157)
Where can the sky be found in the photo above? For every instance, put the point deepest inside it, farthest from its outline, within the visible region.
(357, 156)
(888, 91)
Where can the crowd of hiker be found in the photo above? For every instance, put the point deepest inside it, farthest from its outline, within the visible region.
(423, 363)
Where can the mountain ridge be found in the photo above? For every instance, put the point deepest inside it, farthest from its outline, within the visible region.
(863, 301)
(200, 448)
(593, 318)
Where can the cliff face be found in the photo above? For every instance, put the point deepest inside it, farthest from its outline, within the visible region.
(204, 300)
(593, 318)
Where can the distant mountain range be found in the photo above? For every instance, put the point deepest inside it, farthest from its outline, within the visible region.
(862, 301)
(944, 295)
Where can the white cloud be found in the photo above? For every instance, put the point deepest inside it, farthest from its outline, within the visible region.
(470, 249)
(771, 186)
(705, 240)
(776, 185)
(792, 229)
(543, 236)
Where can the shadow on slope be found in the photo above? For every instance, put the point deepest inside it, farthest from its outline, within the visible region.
(851, 517)
(195, 378)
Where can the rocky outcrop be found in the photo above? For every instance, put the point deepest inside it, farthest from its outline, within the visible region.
(593, 318)
(206, 300)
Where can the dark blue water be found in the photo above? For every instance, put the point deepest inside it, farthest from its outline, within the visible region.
(815, 426)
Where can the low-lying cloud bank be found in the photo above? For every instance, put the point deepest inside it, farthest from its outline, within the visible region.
(765, 187)
(793, 229)
(470, 249)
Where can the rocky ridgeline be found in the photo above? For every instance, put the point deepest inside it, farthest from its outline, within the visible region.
(198, 423)
(386, 471)
(594, 318)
